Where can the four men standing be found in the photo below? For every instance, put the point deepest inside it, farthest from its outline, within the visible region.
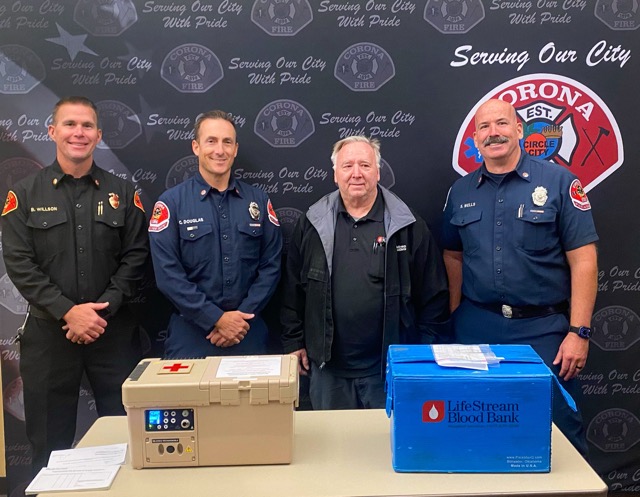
(363, 270)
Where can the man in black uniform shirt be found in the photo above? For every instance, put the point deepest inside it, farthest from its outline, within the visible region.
(75, 247)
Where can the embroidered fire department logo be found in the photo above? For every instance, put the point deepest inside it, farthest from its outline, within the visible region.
(254, 211)
(10, 204)
(159, 217)
(137, 202)
(114, 200)
(578, 196)
(563, 121)
(272, 214)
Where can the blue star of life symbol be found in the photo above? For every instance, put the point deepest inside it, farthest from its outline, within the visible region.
(472, 150)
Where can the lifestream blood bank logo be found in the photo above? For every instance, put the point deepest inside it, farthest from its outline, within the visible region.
(563, 121)
(433, 411)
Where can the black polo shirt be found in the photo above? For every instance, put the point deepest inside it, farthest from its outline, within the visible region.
(357, 287)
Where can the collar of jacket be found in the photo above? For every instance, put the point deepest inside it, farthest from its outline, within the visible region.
(322, 215)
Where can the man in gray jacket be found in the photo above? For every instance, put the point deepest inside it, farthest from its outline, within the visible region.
(363, 271)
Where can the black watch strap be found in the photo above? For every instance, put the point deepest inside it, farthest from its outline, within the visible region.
(581, 331)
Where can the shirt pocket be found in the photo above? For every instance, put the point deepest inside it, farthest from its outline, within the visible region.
(536, 231)
(469, 228)
(108, 231)
(195, 244)
(50, 234)
(250, 240)
(376, 265)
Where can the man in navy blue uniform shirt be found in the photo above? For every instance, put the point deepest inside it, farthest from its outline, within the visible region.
(520, 254)
(216, 246)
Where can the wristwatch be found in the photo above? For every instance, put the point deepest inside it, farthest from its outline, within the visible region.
(581, 331)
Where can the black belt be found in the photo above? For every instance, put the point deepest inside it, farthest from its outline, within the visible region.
(525, 311)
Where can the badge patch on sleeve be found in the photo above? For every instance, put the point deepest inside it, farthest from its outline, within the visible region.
(272, 214)
(137, 202)
(578, 196)
(159, 217)
(11, 204)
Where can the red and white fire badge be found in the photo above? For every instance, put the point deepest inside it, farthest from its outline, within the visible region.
(159, 217)
(272, 214)
(564, 122)
(10, 204)
(137, 202)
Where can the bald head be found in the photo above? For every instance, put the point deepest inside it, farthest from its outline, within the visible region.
(496, 105)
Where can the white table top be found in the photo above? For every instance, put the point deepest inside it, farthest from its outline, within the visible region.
(340, 453)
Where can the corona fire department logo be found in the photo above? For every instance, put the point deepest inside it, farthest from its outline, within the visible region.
(614, 430)
(364, 67)
(120, 124)
(563, 121)
(433, 411)
(191, 68)
(453, 16)
(181, 170)
(284, 123)
(619, 15)
(21, 70)
(281, 17)
(105, 17)
(615, 328)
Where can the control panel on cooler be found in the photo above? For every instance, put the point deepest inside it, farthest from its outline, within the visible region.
(159, 420)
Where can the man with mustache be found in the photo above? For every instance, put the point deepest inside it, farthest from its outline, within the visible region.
(521, 258)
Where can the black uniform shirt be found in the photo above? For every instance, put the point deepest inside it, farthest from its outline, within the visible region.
(68, 241)
(357, 283)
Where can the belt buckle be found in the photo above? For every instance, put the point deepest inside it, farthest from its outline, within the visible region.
(507, 311)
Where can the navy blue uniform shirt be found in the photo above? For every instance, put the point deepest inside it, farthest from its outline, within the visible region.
(215, 251)
(514, 234)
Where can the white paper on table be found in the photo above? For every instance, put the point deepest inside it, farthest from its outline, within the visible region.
(65, 479)
(88, 457)
(460, 356)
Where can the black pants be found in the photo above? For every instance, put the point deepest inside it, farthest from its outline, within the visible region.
(51, 368)
(328, 391)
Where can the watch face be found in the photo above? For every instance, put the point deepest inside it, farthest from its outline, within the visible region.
(584, 332)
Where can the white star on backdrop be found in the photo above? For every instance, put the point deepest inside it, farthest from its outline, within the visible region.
(73, 43)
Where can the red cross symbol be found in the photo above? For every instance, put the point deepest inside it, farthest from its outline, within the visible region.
(176, 367)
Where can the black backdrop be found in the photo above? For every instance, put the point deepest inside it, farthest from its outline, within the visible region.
(298, 75)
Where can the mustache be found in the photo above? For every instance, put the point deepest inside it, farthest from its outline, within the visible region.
(495, 139)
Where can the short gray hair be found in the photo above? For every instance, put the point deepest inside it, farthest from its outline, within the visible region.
(374, 143)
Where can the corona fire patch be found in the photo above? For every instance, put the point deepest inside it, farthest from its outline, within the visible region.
(10, 204)
(563, 121)
(272, 214)
(137, 202)
(578, 196)
(159, 217)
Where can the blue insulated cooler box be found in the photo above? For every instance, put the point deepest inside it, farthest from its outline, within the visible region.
(448, 419)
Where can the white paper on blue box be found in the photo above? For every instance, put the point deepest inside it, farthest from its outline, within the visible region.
(460, 420)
